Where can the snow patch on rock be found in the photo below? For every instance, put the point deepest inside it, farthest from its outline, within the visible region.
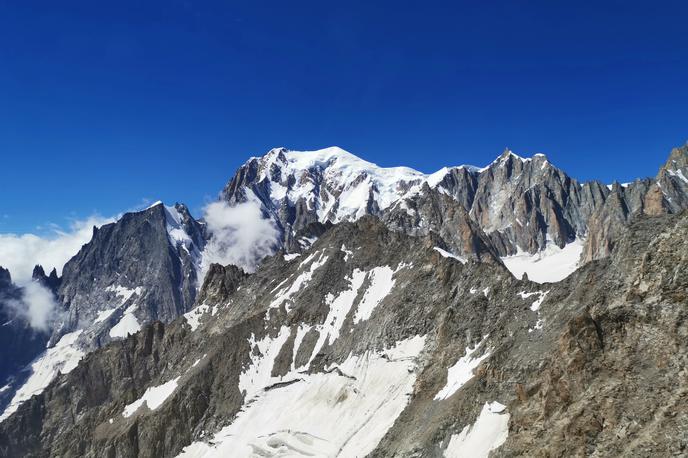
(535, 306)
(488, 432)
(104, 315)
(300, 282)
(461, 372)
(154, 397)
(193, 317)
(124, 293)
(340, 306)
(263, 353)
(381, 284)
(128, 324)
(548, 266)
(447, 254)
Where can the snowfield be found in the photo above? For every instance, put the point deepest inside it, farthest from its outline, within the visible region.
(548, 266)
(344, 412)
(381, 284)
(351, 179)
(447, 254)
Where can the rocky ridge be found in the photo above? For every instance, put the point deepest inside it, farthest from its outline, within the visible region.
(518, 204)
(561, 368)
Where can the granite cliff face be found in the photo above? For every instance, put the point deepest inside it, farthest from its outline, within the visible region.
(666, 194)
(145, 265)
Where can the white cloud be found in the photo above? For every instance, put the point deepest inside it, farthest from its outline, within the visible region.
(37, 306)
(21, 252)
(240, 235)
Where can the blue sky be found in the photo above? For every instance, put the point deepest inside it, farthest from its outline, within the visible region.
(105, 104)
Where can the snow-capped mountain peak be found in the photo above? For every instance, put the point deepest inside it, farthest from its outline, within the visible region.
(333, 173)
(331, 185)
(331, 182)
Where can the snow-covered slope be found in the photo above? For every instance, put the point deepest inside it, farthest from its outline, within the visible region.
(59, 359)
(550, 265)
(335, 184)
(344, 411)
(348, 184)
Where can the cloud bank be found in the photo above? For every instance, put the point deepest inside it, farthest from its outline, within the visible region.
(240, 235)
(37, 306)
(21, 252)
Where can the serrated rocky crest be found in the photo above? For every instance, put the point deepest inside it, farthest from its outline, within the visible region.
(519, 205)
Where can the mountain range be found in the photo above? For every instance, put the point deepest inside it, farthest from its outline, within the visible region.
(325, 306)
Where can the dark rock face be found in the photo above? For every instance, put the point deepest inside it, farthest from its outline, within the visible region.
(433, 212)
(5, 280)
(615, 384)
(521, 201)
(52, 281)
(598, 369)
(147, 260)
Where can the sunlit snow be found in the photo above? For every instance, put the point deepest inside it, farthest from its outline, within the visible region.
(153, 397)
(175, 229)
(340, 306)
(447, 254)
(258, 375)
(62, 358)
(128, 324)
(193, 317)
(104, 315)
(353, 180)
(550, 265)
(300, 282)
(124, 293)
(488, 432)
(344, 412)
(381, 284)
(535, 306)
(461, 372)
